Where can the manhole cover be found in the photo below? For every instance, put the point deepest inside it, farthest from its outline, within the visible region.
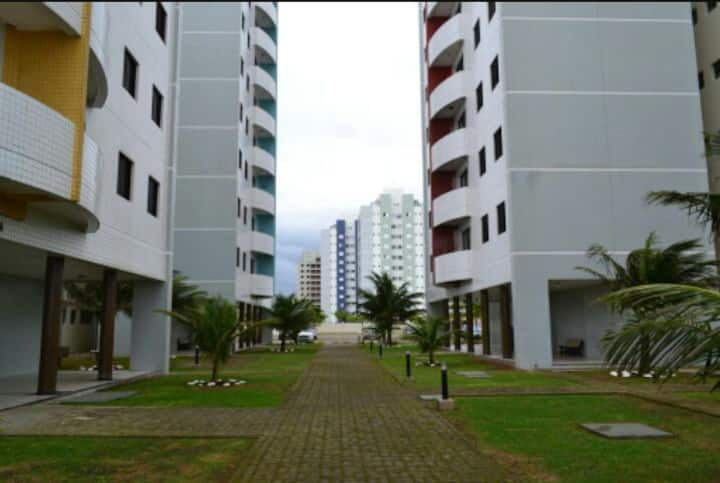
(625, 430)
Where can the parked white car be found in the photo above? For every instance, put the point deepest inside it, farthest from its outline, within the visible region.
(307, 336)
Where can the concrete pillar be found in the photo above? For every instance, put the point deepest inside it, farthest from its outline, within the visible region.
(50, 337)
(150, 349)
(485, 307)
(241, 324)
(456, 323)
(469, 319)
(107, 325)
(506, 331)
(531, 316)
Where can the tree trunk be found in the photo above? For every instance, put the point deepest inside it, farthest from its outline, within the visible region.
(282, 341)
(431, 356)
(389, 337)
(215, 365)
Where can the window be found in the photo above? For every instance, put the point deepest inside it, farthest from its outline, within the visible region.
(461, 121)
(244, 261)
(497, 138)
(479, 97)
(485, 220)
(130, 68)
(157, 106)
(247, 126)
(246, 171)
(716, 68)
(491, 10)
(252, 265)
(242, 21)
(153, 192)
(160, 20)
(247, 83)
(476, 33)
(464, 178)
(242, 111)
(124, 179)
(694, 16)
(465, 239)
(495, 72)
(482, 161)
(701, 80)
(501, 226)
(711, 6)
(242, 67)
(239, 211)
(244, 215)
(239, 158)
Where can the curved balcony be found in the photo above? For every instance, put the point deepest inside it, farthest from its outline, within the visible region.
(446, 43)
(266, 45)
(450, 150)
(266, 14)
(266, 87)
(440, 9)
(43, 16)
(97, 90)
(263, 243)
(36, 160)
(263, 121)
(261, 285)
(451, 208)
(453, 267)
(448, 96)
(263, 201)
(263, 160)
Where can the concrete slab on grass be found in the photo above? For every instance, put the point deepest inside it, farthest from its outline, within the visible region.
(474, 374)
(101, 397)
(625, 430)
(430, 397)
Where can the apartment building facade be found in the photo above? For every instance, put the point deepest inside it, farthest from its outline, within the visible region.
(308, 277)
(545, 125)
(85, 185)
(338, 269)
(390, 239)
(224, 228)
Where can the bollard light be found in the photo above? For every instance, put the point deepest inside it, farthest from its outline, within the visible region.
(197, 355)
(408, 374)
(444, 382)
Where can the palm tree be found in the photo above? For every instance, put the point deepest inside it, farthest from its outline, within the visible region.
(88, 296)
(184, 295)
(680, 262)
(429, 333)
(289, 315)
(214, 323)
(388, 305)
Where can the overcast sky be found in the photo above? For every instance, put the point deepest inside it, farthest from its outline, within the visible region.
(348, 116)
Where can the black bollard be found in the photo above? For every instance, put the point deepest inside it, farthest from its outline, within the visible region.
(197, 355)
(444, 382)
(408, 374)
(380, 351)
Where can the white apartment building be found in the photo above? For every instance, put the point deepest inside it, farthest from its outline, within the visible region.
(338, 269)
(85, 185)
(391, 240)
(545, 126)
(224, 227)
(308, 277)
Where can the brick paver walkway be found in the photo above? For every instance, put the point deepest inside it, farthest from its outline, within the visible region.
(349, 420)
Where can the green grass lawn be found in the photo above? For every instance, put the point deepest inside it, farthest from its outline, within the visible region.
(269, 376)
(50, 458)
(540, 435)
(603, 376)
(429, 377)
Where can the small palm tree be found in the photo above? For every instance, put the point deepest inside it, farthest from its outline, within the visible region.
(429, 333)
(388, 305)
(214, 323)
(185, 296)
(289, 315)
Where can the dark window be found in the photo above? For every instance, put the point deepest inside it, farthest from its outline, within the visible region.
(464, 178)
(160, 20)
(239, 212)
(244, 263)
(244, 215)
(497, 138)
(491, 10)
(501, 218)
(701, 79)
(476, 32)
(246, 171)
(485, 220)
(153, 193)
(694, 16)
(130, 70)
(247, 126)
(482, 161)
(124, 179)
(495, 72)
(239, 158)
(465, 239)
(237, 257)
(252, 265)
(711, 6)
(242, 111)
(461, 121)
(242, 22)
(247, 83)
(460, 65)
(242, 67)
(157, 106)
(479, 96)
(716, 68)
(252, 223)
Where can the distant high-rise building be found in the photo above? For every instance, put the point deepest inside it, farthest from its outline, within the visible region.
(308, 277)
(338, 269)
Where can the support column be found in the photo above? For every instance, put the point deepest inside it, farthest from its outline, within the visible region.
(150, 339)
(107, 325)
(506, 322)
(485, 307)
(50, 338)
(456, 323)
(469, 323)
(241, 324)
